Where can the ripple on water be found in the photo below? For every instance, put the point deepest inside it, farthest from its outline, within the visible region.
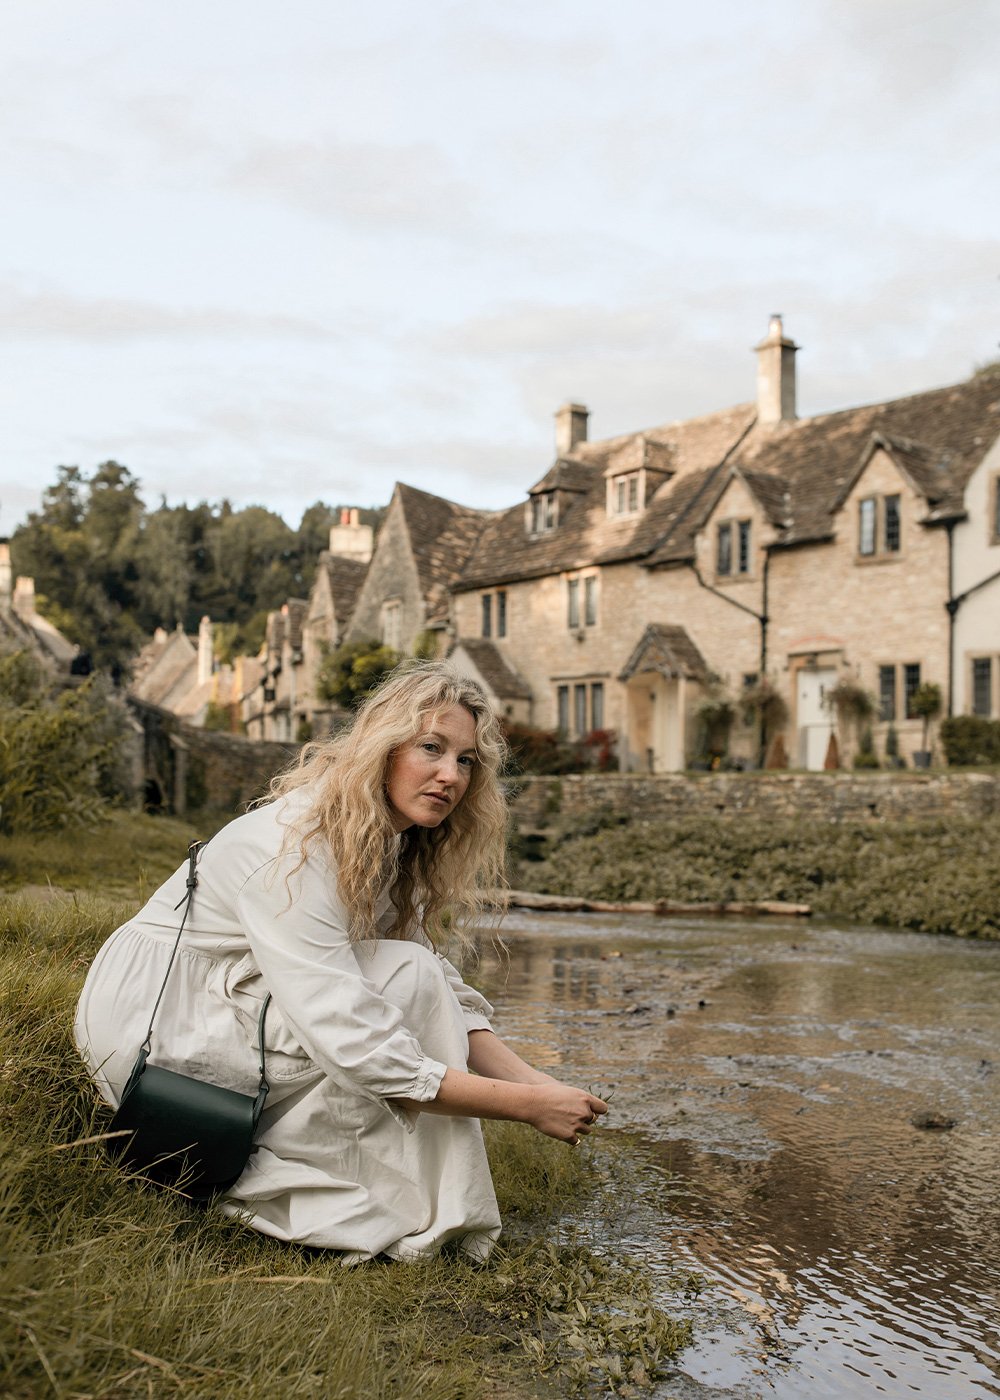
(848, 1254)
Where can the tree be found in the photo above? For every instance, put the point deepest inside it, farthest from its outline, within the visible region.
(348, 673)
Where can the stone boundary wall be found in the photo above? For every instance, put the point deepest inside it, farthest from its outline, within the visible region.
(539, 802)
(185, 768)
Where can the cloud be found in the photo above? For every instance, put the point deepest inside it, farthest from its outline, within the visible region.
(56, 314)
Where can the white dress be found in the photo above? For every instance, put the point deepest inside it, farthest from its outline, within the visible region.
(350, 1027)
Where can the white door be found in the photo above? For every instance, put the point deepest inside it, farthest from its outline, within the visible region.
(815, 721)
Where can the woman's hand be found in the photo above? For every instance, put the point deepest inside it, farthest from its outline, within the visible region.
(563, 1112)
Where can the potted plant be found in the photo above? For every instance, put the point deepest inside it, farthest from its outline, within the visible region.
(715, 713)
(853, 707)
(763, 703)
(925, 704)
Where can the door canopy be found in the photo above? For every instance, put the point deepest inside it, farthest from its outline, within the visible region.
(667, 650)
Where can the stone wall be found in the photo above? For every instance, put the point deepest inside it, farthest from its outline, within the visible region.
(541, 802)
(187, 769)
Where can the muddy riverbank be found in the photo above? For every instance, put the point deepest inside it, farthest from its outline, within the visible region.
(779, 1077)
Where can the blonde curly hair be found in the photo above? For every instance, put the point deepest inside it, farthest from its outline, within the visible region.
(438, 876)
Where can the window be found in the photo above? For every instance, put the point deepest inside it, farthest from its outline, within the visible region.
(392, 624)
(880, 526)
(866, 526)
(597, 705)
(590, 599)
(543, 512)
(562, 705)
(581, 611)
(725, 564)
(624, 497)
(982, 686)
(573, 602)
(911, 684)
(743, 549)
(890, 529)
(724, 550)
(579, 710)
(887, 693)
(487, 601)
(501, 612)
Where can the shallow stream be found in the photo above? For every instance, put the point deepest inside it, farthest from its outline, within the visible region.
(783, 1080)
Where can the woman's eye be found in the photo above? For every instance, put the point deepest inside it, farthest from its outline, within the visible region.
(467, 761)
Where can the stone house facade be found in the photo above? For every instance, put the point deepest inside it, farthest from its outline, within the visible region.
(647, 572)
(22, 628)
(283, 705)
(422, 546)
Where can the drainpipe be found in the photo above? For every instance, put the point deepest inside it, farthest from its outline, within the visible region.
(955, 601)
(762, 618)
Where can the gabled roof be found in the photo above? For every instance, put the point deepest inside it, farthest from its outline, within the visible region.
(937, 438)
(173, 671)
(565, 474)
(442, 534)
(585, 534)
(344, 578)
(667, 650)
(505, 683)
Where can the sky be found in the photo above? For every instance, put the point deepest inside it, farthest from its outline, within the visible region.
(284, 252)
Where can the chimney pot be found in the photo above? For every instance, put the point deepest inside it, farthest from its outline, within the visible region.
(205, 658)
(571, 427)
(350, 539)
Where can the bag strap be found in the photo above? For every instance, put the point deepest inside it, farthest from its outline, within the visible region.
(191, 883)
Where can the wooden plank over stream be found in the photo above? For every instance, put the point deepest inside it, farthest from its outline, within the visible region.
(527, 899)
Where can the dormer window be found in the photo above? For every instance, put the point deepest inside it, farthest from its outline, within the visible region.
(624, 496)
(543, 512)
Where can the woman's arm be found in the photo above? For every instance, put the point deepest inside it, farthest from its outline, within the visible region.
(558, 1110)
(490, 1057)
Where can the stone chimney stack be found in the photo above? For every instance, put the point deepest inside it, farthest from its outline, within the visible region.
(571, 428)
(350, 539)
(204, 651)
(775, 376)
(23, 601)
(6, 577)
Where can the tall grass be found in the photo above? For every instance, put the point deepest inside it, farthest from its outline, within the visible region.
(111, 1289)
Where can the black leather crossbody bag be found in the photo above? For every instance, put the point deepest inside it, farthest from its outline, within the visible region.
(182, 1132)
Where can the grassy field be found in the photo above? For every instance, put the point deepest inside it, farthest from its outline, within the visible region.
(110, 1289)
(938, 876)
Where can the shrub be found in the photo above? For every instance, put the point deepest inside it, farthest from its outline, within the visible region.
(970, 739)
(547, 751)
(349, 672)
(866, 757)
(63, 753)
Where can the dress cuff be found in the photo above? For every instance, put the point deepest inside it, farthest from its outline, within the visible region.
(476, 1021)
(426, 1084)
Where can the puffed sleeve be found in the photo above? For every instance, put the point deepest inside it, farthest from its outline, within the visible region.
(297, 929)
(475, 1008)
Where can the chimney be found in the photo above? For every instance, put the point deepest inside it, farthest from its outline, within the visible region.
(350, 539)
(5, 574)
(204, 651)
(571, 428)
(23, 601)
(775, 376)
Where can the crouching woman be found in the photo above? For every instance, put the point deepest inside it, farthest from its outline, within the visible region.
(332, 897)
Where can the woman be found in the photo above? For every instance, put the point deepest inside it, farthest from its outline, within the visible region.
(332, 897)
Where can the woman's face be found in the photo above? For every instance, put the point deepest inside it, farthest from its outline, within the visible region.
(428, 776)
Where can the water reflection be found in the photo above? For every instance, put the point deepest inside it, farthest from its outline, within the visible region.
(775, 1072)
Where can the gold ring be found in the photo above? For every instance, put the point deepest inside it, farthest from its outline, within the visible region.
(574, 1142)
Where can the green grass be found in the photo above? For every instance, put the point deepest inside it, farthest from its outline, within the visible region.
(111, 1289)
(938, 876)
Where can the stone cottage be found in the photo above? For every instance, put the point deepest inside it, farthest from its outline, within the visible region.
(648, 572)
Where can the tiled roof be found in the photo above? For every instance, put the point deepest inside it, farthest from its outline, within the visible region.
(938, 438)
(565, 474)
(345, 577)
(442, 534)
(668, 650)
(505, 683)
(585, 534)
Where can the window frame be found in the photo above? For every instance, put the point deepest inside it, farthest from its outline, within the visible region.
(542, 506)
(885, 672)
(501, 612)
(486, 617)
(583, 603)
(980, 661)
(895, 501)
(911, 684)
(868, 527)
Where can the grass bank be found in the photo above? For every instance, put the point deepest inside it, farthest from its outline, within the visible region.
(938, 876)
(109, 1289)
